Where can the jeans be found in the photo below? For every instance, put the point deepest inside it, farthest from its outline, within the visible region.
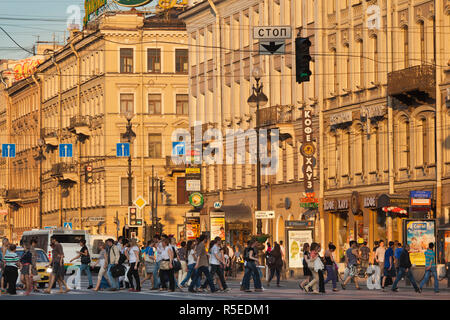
(132, 272)
(321, 282)
(217, 269)
(113, 281)
(190, 271)
(331, 275)
(11, 274)
(273, 271)
(409, 275)
(427, 276)
(167, 275)
(183, 272)
(251, 270)
(156, 281)
(87, 269)
(202, 270)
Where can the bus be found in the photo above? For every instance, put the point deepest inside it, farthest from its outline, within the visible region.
(68, 238)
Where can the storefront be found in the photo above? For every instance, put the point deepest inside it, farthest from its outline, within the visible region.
(339, 225)
(236, 221)
(393, 209)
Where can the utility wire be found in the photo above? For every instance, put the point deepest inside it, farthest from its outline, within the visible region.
(12, 39)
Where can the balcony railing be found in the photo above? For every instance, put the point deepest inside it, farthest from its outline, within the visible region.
(79, 121)
(275, 115)
(59, 169)
(418, 82)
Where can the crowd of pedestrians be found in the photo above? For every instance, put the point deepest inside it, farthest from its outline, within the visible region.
(199, 266)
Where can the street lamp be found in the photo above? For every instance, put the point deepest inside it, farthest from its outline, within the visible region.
(129, 135)
(257, 99)
(40, 158)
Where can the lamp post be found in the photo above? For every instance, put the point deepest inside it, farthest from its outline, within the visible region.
(257, 99)
(40, 158)
(129, 135)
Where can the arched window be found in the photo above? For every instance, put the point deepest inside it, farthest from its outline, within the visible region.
(403, 146)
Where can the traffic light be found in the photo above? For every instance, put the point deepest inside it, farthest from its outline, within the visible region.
(133, 220)
(88, 174)
(162, 186)
(302, 59)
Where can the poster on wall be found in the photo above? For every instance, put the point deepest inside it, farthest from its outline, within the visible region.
(218, 227)
(192, 228)
(296, 239)
(419, 233)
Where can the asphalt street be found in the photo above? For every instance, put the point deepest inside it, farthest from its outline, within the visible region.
(288, 291)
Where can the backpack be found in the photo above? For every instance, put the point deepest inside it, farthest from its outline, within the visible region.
(176, 265)
(86, 259)
(122, 258)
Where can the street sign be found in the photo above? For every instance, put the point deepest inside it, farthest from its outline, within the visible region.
(264, 214)
(123, 149)
(217, 205)
(68, 225)
(272, 47)
(178, 148)
(140, 202)
(193, 185)
(196, 199)
(272, 32)
(8, 150)
(420, 194)
(192, 171)
(420, 202)
(65, 150)
(50, 227)
(299, 223)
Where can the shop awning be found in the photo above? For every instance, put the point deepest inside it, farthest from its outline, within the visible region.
(236, 213)
(395, 210)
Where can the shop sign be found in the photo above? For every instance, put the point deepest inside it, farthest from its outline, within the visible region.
(308, 150)
(24, 68)
(192, 171)
(196, 199)
(386, 200)
(420, 194)
(373, 111)
(264, 214)
(193, 185)
(341, 117)
(309, 201)
(329, 205)
(132, 3)
(342, 204)
(92, 7)
(97, 219)
(370, 202)
(420, 202)
(299, 224)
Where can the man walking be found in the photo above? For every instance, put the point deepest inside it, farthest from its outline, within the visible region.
(389, 269)
(85, 261)
(251, 269)
(58, 270)
(182, 255)
(430, 268)
(113, 255)
(217, 262)
(379, 256)
(397, 253)
(202, 265)
(351, 261)
(404, 268)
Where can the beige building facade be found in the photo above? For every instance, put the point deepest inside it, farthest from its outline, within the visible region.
(122, 63)
(379, 93)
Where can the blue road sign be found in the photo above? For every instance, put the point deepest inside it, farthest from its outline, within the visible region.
(8, 150)
(123, 150)
(65, 150)
(68, 225)
(420, 194)
(178, 148)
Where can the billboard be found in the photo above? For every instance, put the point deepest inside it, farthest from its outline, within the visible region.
(296, 239)
(192, 228)
(24, 68)
(218, 227)
(419, 233)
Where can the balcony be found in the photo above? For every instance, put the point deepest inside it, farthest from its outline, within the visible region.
(275, 115)
(80, 126)
(66, 173)
(414, 85)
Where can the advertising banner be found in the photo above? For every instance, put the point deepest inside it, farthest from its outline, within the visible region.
(419, 233)
(218, 227)
(192, 228)
(296, 239)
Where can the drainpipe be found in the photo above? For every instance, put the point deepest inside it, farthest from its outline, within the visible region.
(142, 122)
(438, 117)
(33, 76)
(80, 207)
(219, 84)
(58, 69)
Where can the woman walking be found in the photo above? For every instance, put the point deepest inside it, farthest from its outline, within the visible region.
(149, 261)
(311, 261)
(132, 253)
(166, 272)
(25, 271)
(102, 263)
(306, 271)
(330, 265)
(12, 265)
(192, 259)
(275, 263)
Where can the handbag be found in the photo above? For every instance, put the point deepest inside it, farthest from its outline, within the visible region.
(118, 271)
(318, 264)
(176, 265)
(165, 265)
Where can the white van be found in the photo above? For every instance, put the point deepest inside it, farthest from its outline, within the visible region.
(69, 239)
(93, 243)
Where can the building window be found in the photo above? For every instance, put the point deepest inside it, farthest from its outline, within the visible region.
(405, 46)
(126, 103)
(154, 60)
(347, 65)
(154, 103)
(181, 60)
(182, 195)
(361, 63)
(126, 60)
(375, 58)
(182, 104)
(124, 191)
(154, 145)
(422, 41)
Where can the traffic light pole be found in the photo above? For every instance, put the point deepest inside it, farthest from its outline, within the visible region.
(153, 201)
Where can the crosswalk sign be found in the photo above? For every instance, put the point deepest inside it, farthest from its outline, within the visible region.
(68, 225)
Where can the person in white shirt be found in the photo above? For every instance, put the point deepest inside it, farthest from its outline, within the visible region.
(166, 269)
(132, 253)
(379, 256)
(217, 263)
